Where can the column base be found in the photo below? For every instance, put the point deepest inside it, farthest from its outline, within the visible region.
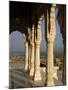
(31, 72)
(38, 79)
(26, 68)
(37, 76)
(50, 83)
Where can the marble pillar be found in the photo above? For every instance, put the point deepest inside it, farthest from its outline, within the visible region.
(29, 49)
(32, 52)
(37, 74)
(26, 53)
(50, 43)
(29, 57)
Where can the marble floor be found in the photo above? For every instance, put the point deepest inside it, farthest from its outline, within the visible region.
(18, 78)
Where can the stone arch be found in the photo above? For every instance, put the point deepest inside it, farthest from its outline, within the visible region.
(15, 29)
(18, 28)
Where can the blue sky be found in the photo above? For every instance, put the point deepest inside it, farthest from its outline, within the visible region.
(17, 41)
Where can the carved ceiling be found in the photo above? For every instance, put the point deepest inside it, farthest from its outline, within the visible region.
(23, 14)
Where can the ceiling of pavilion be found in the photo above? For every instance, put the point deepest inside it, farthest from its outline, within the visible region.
(23, 14)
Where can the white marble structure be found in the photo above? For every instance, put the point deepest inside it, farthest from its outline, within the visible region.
(30, 25)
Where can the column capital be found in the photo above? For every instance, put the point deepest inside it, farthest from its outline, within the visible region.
(32, 44)
(54, 5)
(32, 36)
(37, 42)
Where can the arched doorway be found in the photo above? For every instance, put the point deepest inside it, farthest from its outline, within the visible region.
(16, 42)
(16, 45)
(17, 55)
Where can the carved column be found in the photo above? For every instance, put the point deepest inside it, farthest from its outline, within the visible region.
(26, 53)
(32, 52)
(37, 74)
(50, 44)
(29, 49)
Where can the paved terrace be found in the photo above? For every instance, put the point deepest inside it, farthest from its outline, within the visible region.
(18, 78)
